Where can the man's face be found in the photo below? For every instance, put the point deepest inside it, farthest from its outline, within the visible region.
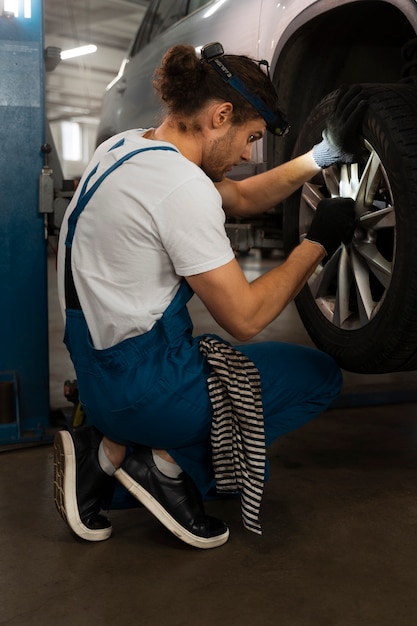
(234, 146)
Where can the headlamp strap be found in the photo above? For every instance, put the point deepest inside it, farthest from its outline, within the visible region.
(213, 53)
(239, 86)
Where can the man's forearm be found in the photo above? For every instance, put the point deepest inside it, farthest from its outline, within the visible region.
(261, 192)
(243, 309)
(278, 287)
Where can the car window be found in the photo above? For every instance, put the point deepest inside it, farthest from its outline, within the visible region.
(197, 4)
(160, 16)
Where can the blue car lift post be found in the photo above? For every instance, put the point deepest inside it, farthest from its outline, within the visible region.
(24, 368)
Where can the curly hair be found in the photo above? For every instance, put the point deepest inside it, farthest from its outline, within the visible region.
(186, 84)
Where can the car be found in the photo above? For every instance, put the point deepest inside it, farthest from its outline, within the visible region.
(360, 306)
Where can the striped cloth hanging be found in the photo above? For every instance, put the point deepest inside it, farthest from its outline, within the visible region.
(237, 432)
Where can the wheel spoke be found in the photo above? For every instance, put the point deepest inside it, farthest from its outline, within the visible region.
(331, 177)
(349, 181)
(369, 181)
(377, 264)
(341, 307)
(381, 218)
(320, 281)
(310, 197)
(365, 301)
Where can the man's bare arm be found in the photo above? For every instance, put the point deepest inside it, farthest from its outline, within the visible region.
(261, 192)
(243, 309)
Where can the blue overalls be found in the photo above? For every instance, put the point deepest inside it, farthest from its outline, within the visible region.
(152, 389)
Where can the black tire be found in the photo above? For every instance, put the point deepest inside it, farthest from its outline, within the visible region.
(361, 306)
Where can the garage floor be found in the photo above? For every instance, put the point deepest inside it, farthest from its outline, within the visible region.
(339, 522)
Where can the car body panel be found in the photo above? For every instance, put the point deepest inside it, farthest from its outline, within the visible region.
(258, 28)
(195, 30)
(312, 46)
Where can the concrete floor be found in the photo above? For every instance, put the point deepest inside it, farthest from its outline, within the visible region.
(339, 520)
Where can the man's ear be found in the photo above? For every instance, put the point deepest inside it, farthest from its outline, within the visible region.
(222, 113)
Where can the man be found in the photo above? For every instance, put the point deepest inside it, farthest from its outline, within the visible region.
(174, 417)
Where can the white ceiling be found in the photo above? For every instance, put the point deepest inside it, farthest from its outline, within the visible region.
(74, 89)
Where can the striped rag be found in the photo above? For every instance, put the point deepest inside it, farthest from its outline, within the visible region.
(237, 432)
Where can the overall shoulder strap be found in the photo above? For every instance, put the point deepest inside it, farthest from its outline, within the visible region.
(71, 297)
(86, 195)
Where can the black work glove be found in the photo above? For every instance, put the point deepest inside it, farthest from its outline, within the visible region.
(333, 223)
(340, 141)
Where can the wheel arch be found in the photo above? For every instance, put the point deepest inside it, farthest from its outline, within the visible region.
(325, 47)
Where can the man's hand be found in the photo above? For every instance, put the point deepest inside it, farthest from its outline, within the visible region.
(340, 141)
(333, 223)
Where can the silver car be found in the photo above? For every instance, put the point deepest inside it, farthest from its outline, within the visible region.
(361, 306)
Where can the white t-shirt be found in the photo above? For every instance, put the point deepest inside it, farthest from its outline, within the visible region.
(153, 220)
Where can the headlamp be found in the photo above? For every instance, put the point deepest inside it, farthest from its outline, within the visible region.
(213, 53)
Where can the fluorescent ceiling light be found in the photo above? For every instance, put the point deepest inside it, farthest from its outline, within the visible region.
(78, 52)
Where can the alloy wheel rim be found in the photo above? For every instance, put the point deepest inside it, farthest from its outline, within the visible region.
(349, 289)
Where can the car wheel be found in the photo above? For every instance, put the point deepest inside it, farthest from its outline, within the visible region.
(361, 305)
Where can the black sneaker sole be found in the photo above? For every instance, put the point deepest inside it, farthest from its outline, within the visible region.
(65, 493)
(165, 518)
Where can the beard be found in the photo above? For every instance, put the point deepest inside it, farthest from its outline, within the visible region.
(216, 162)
